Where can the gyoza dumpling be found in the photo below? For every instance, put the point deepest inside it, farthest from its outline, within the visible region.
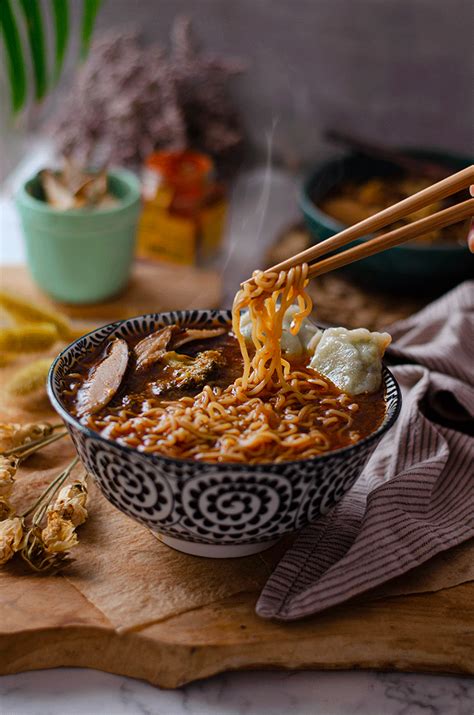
(351, 359)
(291, 345)
(305, 335)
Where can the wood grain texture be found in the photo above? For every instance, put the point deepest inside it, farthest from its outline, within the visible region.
(153, 287)
(128, 604)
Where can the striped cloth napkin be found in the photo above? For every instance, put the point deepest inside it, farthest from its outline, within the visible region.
(415, 497)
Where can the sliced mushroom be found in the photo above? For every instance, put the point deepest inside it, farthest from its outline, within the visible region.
(182, 371)
(153, 347)
(57, 194)
(105, 379)
(191, 334)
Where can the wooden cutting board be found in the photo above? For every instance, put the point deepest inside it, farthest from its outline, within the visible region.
(153, 287)
(130, 605)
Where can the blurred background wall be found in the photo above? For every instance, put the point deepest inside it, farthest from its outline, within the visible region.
(399, 72)
(394, 71)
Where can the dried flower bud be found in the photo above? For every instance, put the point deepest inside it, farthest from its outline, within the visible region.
(28, 338)
(8, 467)
(36, 556)
(58, 535)
(24, 311)
(6, 509)
(7, 359)
(30, 378)
(14, 435)
(70, 503)
(11, 537)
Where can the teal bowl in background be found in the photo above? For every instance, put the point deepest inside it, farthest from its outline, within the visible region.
(81, 255)
(413, 268)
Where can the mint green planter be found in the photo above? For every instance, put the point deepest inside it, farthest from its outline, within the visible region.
(81, 255)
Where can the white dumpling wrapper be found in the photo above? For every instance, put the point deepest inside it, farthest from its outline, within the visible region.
(306, 334)
(291, 345)
(351, 359)
(246, 326)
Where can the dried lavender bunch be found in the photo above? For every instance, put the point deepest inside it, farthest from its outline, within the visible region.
(121, 101)
(213, 122)
(128, 100)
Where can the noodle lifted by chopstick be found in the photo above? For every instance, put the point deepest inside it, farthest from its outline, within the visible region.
(270, 414)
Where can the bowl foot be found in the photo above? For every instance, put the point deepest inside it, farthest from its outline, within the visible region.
(215, 551)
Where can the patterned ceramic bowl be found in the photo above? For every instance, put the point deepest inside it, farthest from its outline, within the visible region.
(216, 510)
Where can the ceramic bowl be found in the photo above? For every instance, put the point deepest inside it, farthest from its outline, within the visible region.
(81, 255)
(215, 510)
(415, 267)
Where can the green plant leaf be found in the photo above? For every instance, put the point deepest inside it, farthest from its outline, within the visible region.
(14, 51)
(61, 32)
(34, 27)
(14, 56)
(91, 8)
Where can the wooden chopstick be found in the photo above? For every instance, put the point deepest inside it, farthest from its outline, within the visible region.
(444, 218)
(436, 192)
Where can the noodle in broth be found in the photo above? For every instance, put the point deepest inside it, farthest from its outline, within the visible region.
(276, 411)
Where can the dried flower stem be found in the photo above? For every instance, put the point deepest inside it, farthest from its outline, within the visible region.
(46, 549)
(15, 436)
(50, 490)
(30, 448)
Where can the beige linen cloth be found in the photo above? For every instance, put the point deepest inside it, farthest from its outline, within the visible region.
(415, 498)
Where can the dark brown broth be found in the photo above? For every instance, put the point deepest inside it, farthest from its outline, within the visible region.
(136, 390)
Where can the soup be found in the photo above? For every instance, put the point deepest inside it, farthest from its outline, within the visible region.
(253, 393)
(351, 202)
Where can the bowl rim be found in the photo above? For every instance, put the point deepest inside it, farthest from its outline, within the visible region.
(310, 209)
(387, 423)
(24, 198)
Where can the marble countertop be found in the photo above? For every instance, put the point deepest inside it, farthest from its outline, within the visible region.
(69, 691)
(263, 203)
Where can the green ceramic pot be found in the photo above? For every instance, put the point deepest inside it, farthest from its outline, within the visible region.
(81, 255)
(412, 267)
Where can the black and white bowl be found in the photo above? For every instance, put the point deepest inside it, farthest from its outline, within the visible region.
(215, 510)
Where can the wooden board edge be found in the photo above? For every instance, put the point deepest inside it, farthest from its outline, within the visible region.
(152, 655)
(171, 666)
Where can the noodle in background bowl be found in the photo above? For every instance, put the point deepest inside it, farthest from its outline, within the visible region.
(218, 510)
(414, 266)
